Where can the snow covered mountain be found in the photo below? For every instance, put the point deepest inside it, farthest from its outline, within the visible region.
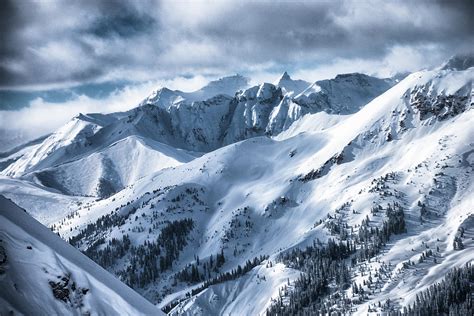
(104, 144)
(40, 274)
(356, 203)
(228, 86)
(290, 86)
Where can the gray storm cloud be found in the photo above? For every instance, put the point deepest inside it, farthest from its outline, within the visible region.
(51, 42)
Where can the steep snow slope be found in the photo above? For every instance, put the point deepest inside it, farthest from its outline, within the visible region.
(46, 205)
(68, 141)
(9, 157)
(42, 275)
(412, 145)
(109, 170)
(248, 295)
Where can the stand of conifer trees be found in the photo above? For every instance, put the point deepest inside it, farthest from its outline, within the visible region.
(326, 268)
(453, 296)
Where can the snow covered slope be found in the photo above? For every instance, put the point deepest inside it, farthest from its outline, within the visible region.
(228, 86)
(9, 157)
(40, 274)
(345, 94)
(410, 148)
(109, 170)
(68, 141)
(78, 160)
(412, 145)
(46, 205)
(226, 232)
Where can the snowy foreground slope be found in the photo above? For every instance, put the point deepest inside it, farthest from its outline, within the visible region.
(40, 274)
(226, 232)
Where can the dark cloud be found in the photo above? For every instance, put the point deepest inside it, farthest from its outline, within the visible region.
(276, 31)
(119, 18)
(57, 42)
(51, 42)
(288, 30)
(124, 25)
(9, 20)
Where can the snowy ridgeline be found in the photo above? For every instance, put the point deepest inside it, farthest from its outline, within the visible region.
(174, 127)
(356, 213)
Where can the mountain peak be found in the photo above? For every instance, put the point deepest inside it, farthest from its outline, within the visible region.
(290, 85)
(459, 62)
(236, 81)
(225, 85)
(285, 76)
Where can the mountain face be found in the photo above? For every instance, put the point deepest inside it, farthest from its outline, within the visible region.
(290, 86)
(459, 62)
(214, 116)
(323, 213)
(345, 94)
(40, 274)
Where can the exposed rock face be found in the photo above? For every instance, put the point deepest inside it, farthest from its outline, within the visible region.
(440, 106)
(459, 62)
(3, 259)
(66, 290)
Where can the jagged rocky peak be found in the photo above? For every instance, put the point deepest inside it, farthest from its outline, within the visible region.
(284, 76)
(248, 94)
(164, 91)
(459, 62)
(291, 86)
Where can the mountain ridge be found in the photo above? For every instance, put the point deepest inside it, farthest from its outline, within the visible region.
(198, 126)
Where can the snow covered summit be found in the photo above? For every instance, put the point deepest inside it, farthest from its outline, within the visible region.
(290, 86)
(228, 86)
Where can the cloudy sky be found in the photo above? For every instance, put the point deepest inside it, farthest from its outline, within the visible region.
(63, 57)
